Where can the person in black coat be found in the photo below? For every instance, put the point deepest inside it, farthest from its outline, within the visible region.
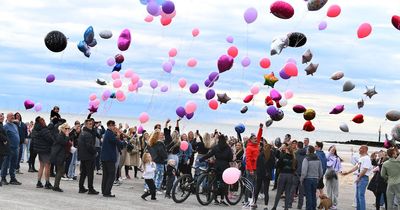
(223, 155)
(42, 141)
(23, 133)
(58, 153)
(4, 149)
(265, 166)
(87, 155)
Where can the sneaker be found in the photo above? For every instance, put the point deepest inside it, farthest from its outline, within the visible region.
(70, 179)
(83, 190)
(224, 203)
(39, 184)
(144, 198)
(98, 173)
(159, 192)
(246, 204)
(48, 186)
(116, 183)
(75, 178)
(31, 170)
(93, 192)
(57, 189)
(153, 199)
(15, 182)
(64, 178)
(253, 205)
(216, 203)
(109, 196)
(333, 208)
(4, 181)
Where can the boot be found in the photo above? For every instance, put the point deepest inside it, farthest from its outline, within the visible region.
(30, 168)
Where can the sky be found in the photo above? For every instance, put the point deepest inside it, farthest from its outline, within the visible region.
(372, 61)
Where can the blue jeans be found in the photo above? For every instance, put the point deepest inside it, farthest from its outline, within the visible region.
(27, 148)
(310, 189)
(360, 193)
(10, 164)
(72, 165)
(159, 175)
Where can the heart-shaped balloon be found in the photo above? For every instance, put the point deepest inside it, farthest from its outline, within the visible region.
(29, 104)
(308, 126)
(358, 118)
(225, 62)
(396, 21)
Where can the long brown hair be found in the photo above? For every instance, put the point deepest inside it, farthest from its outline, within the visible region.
(267, 151)
(291, 153)
(155, 136)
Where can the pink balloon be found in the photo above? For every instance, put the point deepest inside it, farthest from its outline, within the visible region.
(144, 117)
(122, 98)
(255, 90)
(117, 83)
(229, 39)
(29, 104)
(128, 73)
(38, 107)
(190, 107)
(195, 32)
(322, 25)
(140, 129)
(92, 97)
(119, 94)
(231, 175)
(364, 30)
(124, 40)
(96, 103)
(132, 87)
(134, 78)
(148, 18)
(115, 75)
(172, 52)
(275, 95)
(333, 11)
(246, 62)
(288, 94)
(111, 61)
(182, 83)
(184, 145)
(192, 62)
(290, 69)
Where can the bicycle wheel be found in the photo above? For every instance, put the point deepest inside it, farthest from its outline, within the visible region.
(235, 193)
(182, 188)
(205, 189)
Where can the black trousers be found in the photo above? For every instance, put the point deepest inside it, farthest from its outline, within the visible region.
(87, 170)
(67, 163)
(108, 177)
(152, 187)
(262, 183)
(170, 183)
(59, 174)
(378, 200)
(32, 158)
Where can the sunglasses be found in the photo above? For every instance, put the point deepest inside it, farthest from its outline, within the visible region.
(67, 128)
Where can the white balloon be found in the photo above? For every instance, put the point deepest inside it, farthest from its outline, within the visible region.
(283, 102)
(278, 43)
(343, 127)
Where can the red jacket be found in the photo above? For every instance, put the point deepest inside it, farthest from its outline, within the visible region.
(252, 151)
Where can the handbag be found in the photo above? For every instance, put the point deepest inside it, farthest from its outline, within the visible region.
(331, 173)
(129, 147)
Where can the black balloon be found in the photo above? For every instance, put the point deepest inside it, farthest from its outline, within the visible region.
(55, 41)
(244, 109)
(223, 98)
(297, 39)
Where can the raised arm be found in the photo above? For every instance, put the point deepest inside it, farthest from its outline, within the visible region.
(259, 135)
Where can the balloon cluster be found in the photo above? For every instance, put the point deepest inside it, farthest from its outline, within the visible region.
(187, 111)
(87, 42)
(165, 9)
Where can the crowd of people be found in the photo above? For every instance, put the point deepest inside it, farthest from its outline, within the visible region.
(298, 169)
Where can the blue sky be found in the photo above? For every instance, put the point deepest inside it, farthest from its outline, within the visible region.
(25, 61)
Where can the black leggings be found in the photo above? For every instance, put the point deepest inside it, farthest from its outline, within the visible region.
(378, 200)
(262, 184)
(32, 158)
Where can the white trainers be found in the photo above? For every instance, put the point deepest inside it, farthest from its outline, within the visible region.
(246, 204)
(64, 178)
(159, 192)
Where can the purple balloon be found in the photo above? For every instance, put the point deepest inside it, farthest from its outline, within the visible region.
(140, 84)
(246, 61)
(337, 110)
(167, 67)
(153, 8)
(153, 84)
(275, 95)
(190, 116)
(229, 39)
(194, 88)
(106, 94)
(168, 7)
(111, 61)
(322, 25)
(210, 94)
(208, 83)
(164, 88)
(213, 77)
(50, 78)
(283, 74)
(180, 111)
(250, 15)
(225, 62)
(272, 110)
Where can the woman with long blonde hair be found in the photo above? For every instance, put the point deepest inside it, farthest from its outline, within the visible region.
(159, 155)
(202, 148)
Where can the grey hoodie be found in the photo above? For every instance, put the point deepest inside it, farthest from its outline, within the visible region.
(311, 168)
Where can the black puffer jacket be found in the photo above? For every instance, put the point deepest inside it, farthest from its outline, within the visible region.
(86, 145)
(159, 153)
(4, 148)
(42, 138)
(58, 153)
(223, 155)
(265, 167)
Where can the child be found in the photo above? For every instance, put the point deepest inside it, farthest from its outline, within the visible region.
(149, 167)
(171, 171)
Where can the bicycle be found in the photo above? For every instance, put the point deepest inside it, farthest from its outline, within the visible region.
(185, 185)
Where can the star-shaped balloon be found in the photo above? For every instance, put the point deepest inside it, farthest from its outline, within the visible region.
(93, 109)
(307, 56)
(223, 98)
(370, 92)
(101, 81)
(311, 69)
(360, 104)
(270, 79)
